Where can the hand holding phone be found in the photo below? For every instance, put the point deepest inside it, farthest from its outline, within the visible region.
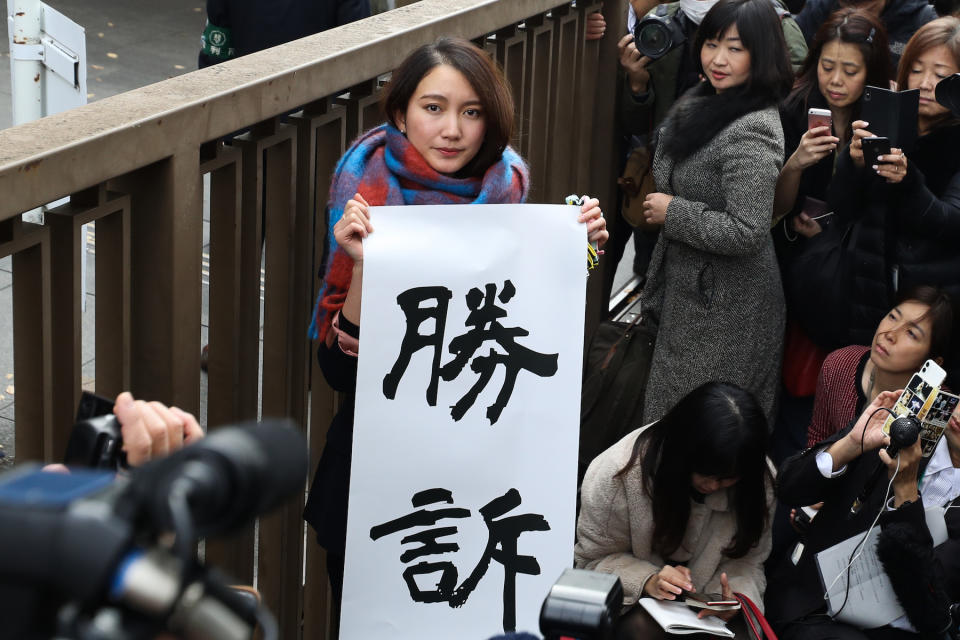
(860, 131)
(873, 148)
(669, 582)
(728, 611)
(816, 144)
(712, 601)
(819, 118)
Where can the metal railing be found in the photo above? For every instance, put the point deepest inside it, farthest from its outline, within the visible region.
(135, 163)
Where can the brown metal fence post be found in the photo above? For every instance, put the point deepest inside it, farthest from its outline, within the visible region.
(226, 401)
(536, 100)
(564, 96)
(323, 138)
(604, 148)
(166, 245)
(281, 533)
(32, 350)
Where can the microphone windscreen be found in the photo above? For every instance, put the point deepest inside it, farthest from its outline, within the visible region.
(230, 477)
(903, 433)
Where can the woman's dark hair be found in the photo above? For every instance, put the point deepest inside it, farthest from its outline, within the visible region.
(717, 429)
(481, 72)
(758, 25)
(851, 26)
(700, 114)
(940, 314)
(940, 32)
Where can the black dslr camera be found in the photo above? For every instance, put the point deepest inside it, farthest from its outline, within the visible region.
(95, 439)
(656, 35)
(948, 93)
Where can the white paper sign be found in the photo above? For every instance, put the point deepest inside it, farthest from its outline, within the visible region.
(463, 485)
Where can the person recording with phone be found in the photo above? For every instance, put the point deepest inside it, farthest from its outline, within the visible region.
(918, 328)
(905, 208)
(682, 504)
(848, 53)
(860, 483)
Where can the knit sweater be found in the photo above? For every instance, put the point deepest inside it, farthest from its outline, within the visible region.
(615, 531)
(839, 397)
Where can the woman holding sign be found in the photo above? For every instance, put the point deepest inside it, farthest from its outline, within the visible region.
(683, 504)
(449, 121)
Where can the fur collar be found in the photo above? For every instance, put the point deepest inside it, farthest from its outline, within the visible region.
(701, 113)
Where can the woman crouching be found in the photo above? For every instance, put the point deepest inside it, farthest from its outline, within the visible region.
(682, 504)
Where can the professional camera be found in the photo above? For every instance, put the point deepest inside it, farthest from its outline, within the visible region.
(95, 440)
(582, 604)
(948, 93)
(656, 35)
(88, 555)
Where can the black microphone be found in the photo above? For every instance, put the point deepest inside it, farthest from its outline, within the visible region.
(227, 478)
(904, 431)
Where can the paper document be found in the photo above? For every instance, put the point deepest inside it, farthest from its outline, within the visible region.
(871, 602)
(676, 617)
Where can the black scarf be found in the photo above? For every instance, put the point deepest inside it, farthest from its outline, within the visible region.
(701, 113)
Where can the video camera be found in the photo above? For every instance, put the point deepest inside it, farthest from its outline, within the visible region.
(87, 555)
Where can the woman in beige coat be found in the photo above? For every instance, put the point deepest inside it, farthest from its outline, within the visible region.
(684, 503)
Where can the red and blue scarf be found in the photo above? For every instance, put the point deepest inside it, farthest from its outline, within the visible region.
(386, 170)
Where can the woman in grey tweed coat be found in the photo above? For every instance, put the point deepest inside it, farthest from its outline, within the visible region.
(713, 286)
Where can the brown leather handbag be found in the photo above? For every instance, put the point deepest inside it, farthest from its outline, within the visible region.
(635, 183)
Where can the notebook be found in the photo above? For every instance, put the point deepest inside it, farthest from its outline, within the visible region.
(676, 617)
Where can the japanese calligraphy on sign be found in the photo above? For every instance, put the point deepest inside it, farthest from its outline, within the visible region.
(462, 497)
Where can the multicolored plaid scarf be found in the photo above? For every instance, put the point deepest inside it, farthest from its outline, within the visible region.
(385, 169)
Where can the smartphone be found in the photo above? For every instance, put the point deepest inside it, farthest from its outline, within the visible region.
(892, 114)
(714, 601)
(873, 148)
(920, 395)
(804, 516)
(819, 118)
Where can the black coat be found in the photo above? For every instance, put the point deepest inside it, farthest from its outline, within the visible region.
(927, 221)
(795, 591)
(814, 183)
(901, 18)
(260, 24)
(326, 508)
(911, 228)
(815, 179)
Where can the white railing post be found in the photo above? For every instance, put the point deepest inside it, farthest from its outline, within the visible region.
(26, 60)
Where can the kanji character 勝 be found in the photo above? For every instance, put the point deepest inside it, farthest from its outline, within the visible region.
(485, 321)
